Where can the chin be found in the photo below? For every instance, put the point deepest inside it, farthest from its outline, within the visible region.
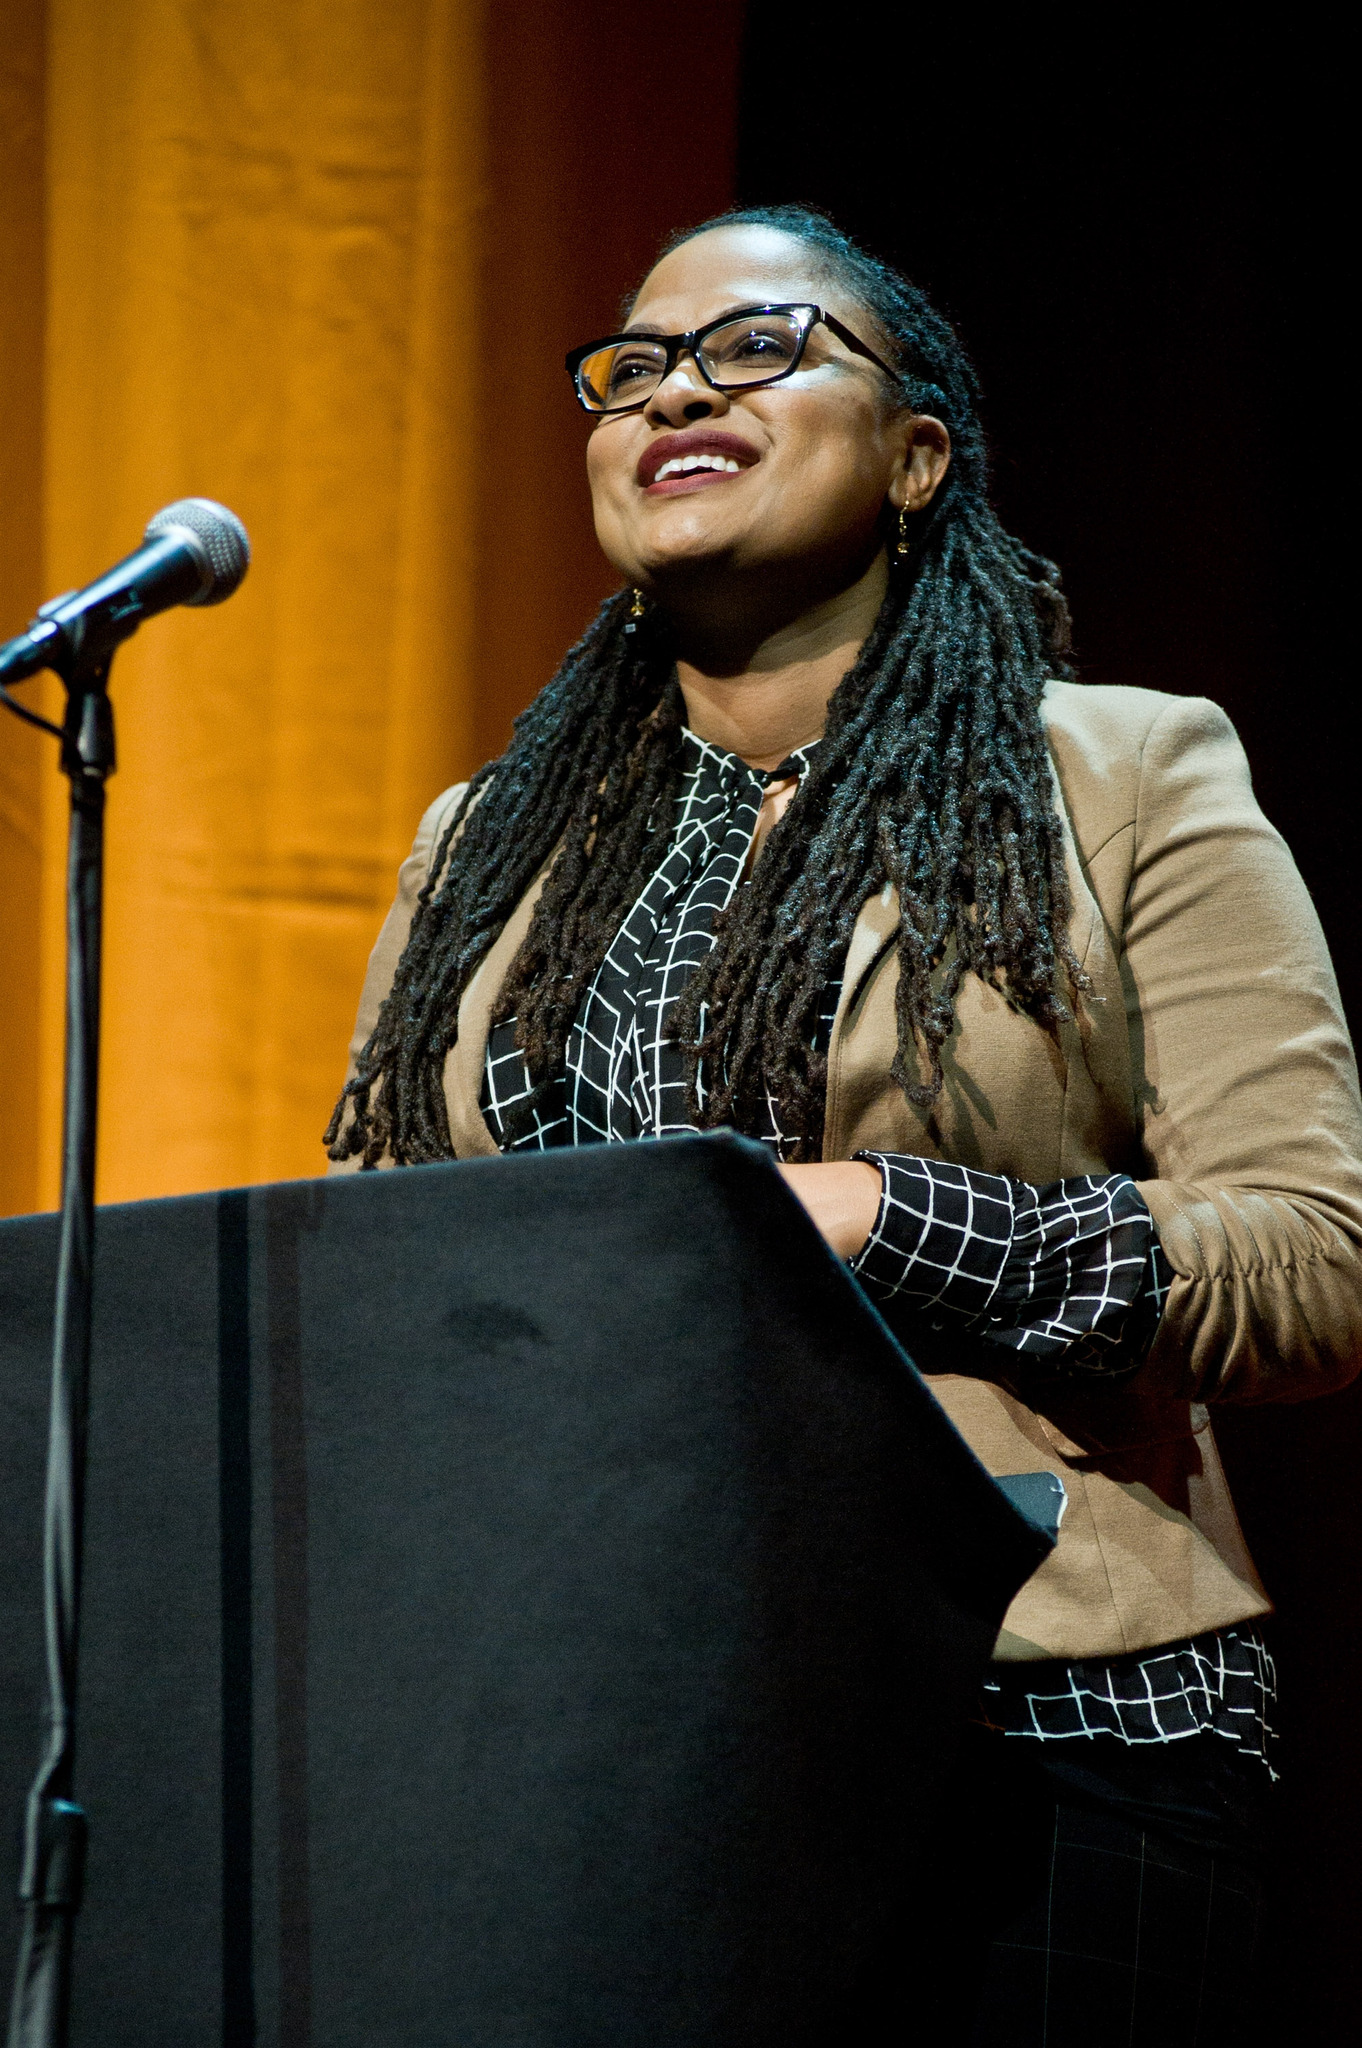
(684, 566)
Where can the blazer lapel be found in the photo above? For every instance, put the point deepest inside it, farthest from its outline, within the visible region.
(871, 938)
(467, 1056)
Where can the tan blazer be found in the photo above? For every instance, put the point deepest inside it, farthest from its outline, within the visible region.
(1210, 1061)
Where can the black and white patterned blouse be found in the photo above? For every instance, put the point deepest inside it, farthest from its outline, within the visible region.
(1071, 1277)
(623, 1076)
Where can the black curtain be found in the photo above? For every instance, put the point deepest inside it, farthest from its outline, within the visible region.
(1138, 236)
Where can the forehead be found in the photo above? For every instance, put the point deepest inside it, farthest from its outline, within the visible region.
(738, 266)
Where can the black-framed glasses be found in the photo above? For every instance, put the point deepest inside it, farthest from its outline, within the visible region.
(757, 345)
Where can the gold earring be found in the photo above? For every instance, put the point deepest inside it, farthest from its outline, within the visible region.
(636, 612)
(905, 545)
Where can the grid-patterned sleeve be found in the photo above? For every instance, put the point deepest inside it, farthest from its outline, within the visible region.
(1071, 1275)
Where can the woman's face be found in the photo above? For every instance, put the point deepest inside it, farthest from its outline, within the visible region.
(818, 454)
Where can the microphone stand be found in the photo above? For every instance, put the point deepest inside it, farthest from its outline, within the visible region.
(55, 1829)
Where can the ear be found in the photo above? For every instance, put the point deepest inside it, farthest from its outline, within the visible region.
(924, 458)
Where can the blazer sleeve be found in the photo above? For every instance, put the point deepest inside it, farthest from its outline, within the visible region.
(392, 938)
(1251, 1120)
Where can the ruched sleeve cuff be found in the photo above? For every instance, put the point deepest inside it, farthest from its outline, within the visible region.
(1071, 1276)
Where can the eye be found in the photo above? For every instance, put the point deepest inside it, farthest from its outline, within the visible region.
(756, 347)
(759, 344)
(609, 375)
(632, 364)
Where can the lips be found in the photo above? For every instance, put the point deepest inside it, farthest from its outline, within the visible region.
(693, 460)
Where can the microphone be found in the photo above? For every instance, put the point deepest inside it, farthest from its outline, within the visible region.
(194, 552)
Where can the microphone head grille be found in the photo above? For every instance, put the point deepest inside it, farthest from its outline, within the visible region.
(218, 532)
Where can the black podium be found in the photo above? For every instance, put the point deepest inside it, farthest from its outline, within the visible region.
(528, 1606)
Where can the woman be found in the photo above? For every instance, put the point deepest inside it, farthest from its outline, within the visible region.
(813, 835)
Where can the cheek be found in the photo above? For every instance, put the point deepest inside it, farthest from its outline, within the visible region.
(609, 466)
(833, 482)
(835, 455)
(608, 476)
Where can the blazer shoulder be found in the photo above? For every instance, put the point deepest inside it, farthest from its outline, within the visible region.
(1100, 735)
(435, 818)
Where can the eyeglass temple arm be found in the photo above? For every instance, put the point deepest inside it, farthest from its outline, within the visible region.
(854, 341)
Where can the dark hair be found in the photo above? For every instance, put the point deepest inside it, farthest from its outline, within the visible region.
(933, 777)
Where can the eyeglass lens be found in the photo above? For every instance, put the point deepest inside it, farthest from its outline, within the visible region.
(750, 350)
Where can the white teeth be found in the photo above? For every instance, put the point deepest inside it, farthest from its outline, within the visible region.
(681, 465)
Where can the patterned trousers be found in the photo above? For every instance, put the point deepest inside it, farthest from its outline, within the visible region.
(1080, 1894)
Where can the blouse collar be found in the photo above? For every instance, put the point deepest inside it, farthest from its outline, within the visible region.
(706, 761)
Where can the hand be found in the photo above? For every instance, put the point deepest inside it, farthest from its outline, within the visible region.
(843, 1198)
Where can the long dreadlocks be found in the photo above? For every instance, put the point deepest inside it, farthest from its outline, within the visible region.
(932, 777)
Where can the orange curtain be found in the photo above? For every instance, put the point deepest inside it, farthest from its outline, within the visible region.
(267, 253)
(22, 755)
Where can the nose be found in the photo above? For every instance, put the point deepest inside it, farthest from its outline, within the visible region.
(684, 397)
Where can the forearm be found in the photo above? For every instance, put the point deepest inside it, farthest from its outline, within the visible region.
(1071, 1276)
(1266, 1295)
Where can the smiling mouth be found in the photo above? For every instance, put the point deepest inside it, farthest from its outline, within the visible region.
(692, 462)
(692, 473)
(683, 465)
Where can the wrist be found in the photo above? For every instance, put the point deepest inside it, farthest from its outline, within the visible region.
(843, 1198)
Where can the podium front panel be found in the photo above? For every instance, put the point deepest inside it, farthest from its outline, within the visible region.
(528, 1603)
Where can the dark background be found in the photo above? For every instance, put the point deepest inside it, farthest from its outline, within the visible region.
(1138, 235)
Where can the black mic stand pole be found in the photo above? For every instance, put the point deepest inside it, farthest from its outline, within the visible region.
(54, 1834)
